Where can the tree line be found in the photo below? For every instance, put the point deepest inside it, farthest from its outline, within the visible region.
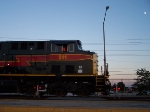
(142, 82)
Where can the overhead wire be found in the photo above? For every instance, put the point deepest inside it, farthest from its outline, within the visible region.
(116, 54)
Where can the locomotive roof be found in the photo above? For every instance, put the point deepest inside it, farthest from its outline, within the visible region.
(63, 41)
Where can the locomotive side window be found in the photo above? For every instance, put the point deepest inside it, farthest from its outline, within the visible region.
(64, 48)
(53, 48)
(24, 46)
(14, 46)
(79, 45)
(40, 45)
(71, 47)
(59, 48)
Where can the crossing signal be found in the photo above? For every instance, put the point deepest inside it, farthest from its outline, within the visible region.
(118, 88)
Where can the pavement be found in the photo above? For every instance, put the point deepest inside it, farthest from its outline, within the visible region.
(77, 104)
(67, 109)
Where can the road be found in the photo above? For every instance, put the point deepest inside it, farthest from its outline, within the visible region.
(94, 102)
(73, 104)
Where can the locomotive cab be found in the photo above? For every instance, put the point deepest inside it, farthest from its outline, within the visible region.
(70, 58)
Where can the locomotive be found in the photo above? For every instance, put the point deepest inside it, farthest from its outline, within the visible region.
(54, 67)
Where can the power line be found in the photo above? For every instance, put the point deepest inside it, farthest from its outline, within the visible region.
(126, 55)
(113, 71)
(126, 68)
(109, 44)
(121, 50)
(123, 74)
(127, 39)
(116, 44)
(122, 79)
(138, 39)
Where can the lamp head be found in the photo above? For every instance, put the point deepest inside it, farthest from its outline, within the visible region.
(107, 7)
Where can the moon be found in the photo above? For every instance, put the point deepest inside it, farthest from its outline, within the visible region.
(144, 12)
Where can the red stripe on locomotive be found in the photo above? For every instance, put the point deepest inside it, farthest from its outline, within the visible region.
(24, 60)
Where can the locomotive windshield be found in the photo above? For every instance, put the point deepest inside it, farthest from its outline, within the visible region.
(79, 44)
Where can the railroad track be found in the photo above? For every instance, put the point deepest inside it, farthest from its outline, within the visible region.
(91, 98)
(26, 97)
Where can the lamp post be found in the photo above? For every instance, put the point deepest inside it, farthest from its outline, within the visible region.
(107, 7)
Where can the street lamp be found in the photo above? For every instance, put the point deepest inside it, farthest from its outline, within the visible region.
(107, 7)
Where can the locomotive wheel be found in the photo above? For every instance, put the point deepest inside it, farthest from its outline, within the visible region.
(59, 92)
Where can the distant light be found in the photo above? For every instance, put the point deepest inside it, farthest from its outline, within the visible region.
(8, 64)
(144, 12)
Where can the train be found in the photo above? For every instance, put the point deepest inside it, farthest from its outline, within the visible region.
(53, 67)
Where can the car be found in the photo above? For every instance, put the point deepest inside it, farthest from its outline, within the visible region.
(140, 94)
(143, 93)
(129, 91)
(111, 92)
(148, 92)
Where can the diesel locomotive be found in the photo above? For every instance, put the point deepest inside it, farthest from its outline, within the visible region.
(54, 67)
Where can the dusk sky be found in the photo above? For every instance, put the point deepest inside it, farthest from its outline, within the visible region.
(127, 28)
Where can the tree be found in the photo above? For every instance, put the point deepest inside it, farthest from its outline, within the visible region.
(143, 77)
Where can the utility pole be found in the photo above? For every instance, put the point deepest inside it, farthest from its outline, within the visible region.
(107, 7)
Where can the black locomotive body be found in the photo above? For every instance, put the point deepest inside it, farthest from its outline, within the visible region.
(53, 67)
